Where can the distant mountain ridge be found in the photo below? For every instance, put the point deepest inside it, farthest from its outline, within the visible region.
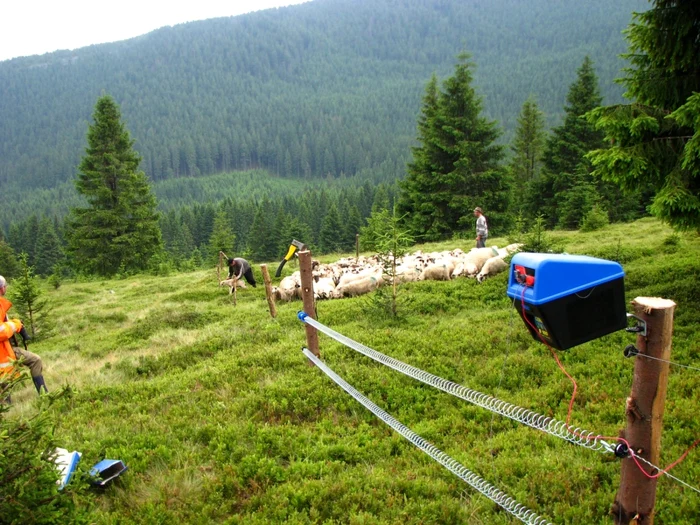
(311, 90)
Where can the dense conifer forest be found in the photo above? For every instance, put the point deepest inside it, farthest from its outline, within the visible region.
(314, 90)
(301, 120)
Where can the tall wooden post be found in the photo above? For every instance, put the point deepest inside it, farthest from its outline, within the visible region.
(307, 296)
(357, 246)
(268, 290)
(634, 502)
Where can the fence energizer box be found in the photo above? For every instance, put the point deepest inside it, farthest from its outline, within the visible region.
(567, 300)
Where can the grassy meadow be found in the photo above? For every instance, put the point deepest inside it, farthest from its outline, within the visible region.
(220, 419)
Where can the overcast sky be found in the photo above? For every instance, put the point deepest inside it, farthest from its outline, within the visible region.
(35, 27)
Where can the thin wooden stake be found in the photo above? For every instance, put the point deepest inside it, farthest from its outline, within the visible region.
(635, 500)
(357, 246)
(307, 296)
(222, 256)
(268, 290)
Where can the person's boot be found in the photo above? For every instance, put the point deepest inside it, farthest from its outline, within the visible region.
(38, 383)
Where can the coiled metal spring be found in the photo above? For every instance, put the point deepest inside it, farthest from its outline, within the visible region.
(484, 487)
(554, 427)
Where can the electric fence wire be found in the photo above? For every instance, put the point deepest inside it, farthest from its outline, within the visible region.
(549, 425)
(666, 361)
(640, 458)
(481, 485)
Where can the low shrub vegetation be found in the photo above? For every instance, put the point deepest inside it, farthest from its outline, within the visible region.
(220, 419)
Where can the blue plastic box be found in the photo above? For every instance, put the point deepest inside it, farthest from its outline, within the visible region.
(567, 300)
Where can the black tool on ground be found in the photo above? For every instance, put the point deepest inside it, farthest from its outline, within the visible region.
(296, 246)
(106, 471)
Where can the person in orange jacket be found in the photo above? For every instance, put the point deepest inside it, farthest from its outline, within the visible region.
(8, 353)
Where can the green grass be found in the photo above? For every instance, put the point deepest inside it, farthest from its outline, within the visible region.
(221, 420)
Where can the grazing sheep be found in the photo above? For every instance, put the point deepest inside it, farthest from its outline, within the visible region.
(323, 287)
(515, 247)
(359, 286)
(406, 274)
(441, 270)
(231, 283)
(491, 267)
(288, 289)
(371, 271)
(476, 258)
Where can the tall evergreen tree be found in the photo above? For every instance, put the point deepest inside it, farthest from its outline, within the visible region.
(48, 251)
(352, 226)
(655, 141)
(222, 237)
(118, 230)
(261, 242)
(182, 244)
(331, 235)
(528, 143)
(8, 261)
(565, 163)
(456, 167)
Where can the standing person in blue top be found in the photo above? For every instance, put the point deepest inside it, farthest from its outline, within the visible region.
(240, 267)
(482, 229)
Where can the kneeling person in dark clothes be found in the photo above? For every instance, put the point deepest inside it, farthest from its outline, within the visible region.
(239, 267)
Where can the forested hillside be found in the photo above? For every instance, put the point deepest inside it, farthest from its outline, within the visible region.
(318, 89)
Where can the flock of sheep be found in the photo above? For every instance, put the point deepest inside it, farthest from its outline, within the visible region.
(350, 277)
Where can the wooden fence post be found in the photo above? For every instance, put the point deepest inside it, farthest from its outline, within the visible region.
(635, 499)
(357, 246)
(307, 295)
(268, 290)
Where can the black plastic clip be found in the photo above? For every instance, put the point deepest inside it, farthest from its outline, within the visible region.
(622, 450)
(631, 351)
(640, 328)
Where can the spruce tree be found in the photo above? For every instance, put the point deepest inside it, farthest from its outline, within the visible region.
(48, 252)
(182, 244)
(655, 140)
(456, 167)
(8, 261)
(118, 229)
(26, 298)
(352, 226)
(331, 235)
(528, 144)
(566, 148)
(261, 242)
(222, 238)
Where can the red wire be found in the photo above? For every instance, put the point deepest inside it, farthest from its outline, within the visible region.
(573, 397)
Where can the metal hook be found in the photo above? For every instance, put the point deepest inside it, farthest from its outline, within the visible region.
(641, 327)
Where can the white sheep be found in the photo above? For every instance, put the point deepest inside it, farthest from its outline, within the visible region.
(288, 289)
(323, 287)
(476, 259)
(406, 274)
(440, 270)
(491, 267)
(515, 247)
(231, 283)
(359, 286)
